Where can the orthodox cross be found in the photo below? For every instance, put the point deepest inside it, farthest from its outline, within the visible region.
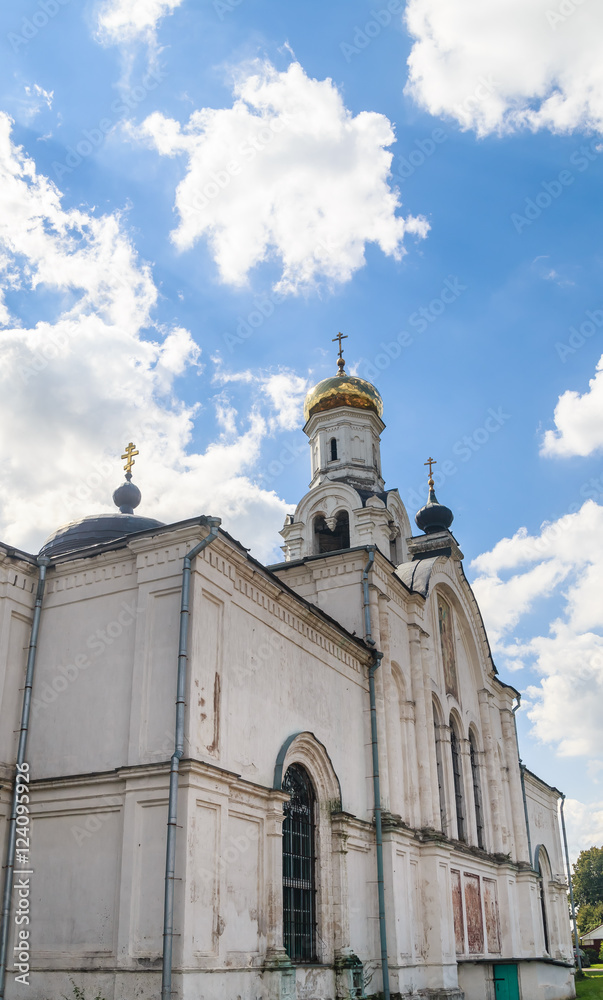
(430, 462)
(129, 456)
(340, 337)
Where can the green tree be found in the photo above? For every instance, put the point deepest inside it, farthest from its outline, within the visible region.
(589, 916)
(588, 877)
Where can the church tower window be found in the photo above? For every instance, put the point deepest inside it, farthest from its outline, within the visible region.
(457, 772)
(338, 538)
(299, 889)
(333, 448)
(477, 791)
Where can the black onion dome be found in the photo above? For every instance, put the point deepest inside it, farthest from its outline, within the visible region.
(98, 528)
(433, 516)
(94, 530)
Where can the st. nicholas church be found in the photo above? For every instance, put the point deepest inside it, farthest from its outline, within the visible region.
(285, 782)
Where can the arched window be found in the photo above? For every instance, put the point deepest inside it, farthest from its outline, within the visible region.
(299, 890)
(333, 449)
(330, 541)
(477, 791)
(541, 866)
(457, 772)
(440, 771)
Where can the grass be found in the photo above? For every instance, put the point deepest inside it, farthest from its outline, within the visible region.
(591, 987)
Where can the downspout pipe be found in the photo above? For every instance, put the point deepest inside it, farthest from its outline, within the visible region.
(368, 638)
(569, 882)
(43, 563)
(170, 856)
(523, 782)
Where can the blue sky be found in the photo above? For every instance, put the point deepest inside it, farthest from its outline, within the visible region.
(426, 181)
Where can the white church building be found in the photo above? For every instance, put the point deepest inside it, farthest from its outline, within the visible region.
(287, 782)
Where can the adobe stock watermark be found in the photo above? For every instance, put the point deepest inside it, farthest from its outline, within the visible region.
(579, 335)
(93, 138)
(591, 489)
(464, 449)
(247, 151)
(551, 190)
(108, 803)
(419, 320)
(52, 348)
(264, 306)
(287, 456)
(223, 7)
(565, 9)
(484, 88)
(97, 642)
(404, 167)
(364, 35)
(32, 26)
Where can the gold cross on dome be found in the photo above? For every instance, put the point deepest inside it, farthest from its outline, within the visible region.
(129, 456)
(340, 337)
(430, 462)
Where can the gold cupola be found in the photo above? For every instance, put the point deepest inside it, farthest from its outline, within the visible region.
(342, 390)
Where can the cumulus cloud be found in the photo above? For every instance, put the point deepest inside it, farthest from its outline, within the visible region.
(508, 64)
(563, 560)
(97, 373)
(584, 825)
(287, 174)
(121, 22)
(578, 421)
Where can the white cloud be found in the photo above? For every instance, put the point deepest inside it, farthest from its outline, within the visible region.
(97, 373)
(35, 99)
(564, 562)
(578, 421)
(121, 22)
(287, 393)
(584, 824)
(288, 174)
(508, 64)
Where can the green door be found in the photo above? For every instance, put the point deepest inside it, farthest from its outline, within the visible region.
(506, 983)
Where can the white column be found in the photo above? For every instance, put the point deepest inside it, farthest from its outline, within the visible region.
(494, 779)
(512, 760)
(421, 728)
(380, 702)
(393, 720)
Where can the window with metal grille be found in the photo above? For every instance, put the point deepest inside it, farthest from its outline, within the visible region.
(458, 782)
(477, 792)
(299, 890)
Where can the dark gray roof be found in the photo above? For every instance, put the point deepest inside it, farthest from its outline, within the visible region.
(415, 575)
(94, 530)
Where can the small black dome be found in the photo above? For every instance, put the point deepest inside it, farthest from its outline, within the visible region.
(127, 497)
(433, 516)
(94, 530)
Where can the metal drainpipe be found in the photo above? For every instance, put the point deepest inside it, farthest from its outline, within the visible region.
(569, 879)
(522, 779)
(170, 855)
(43, 563)
(368, 638)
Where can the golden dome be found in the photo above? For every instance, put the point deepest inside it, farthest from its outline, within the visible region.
(342, 390)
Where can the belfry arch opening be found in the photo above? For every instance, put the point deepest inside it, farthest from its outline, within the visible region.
(327, 540)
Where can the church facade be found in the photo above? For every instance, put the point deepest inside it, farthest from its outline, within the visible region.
(342, 799)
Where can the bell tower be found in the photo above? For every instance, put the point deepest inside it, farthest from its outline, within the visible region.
(347, 504)
(344, 426)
